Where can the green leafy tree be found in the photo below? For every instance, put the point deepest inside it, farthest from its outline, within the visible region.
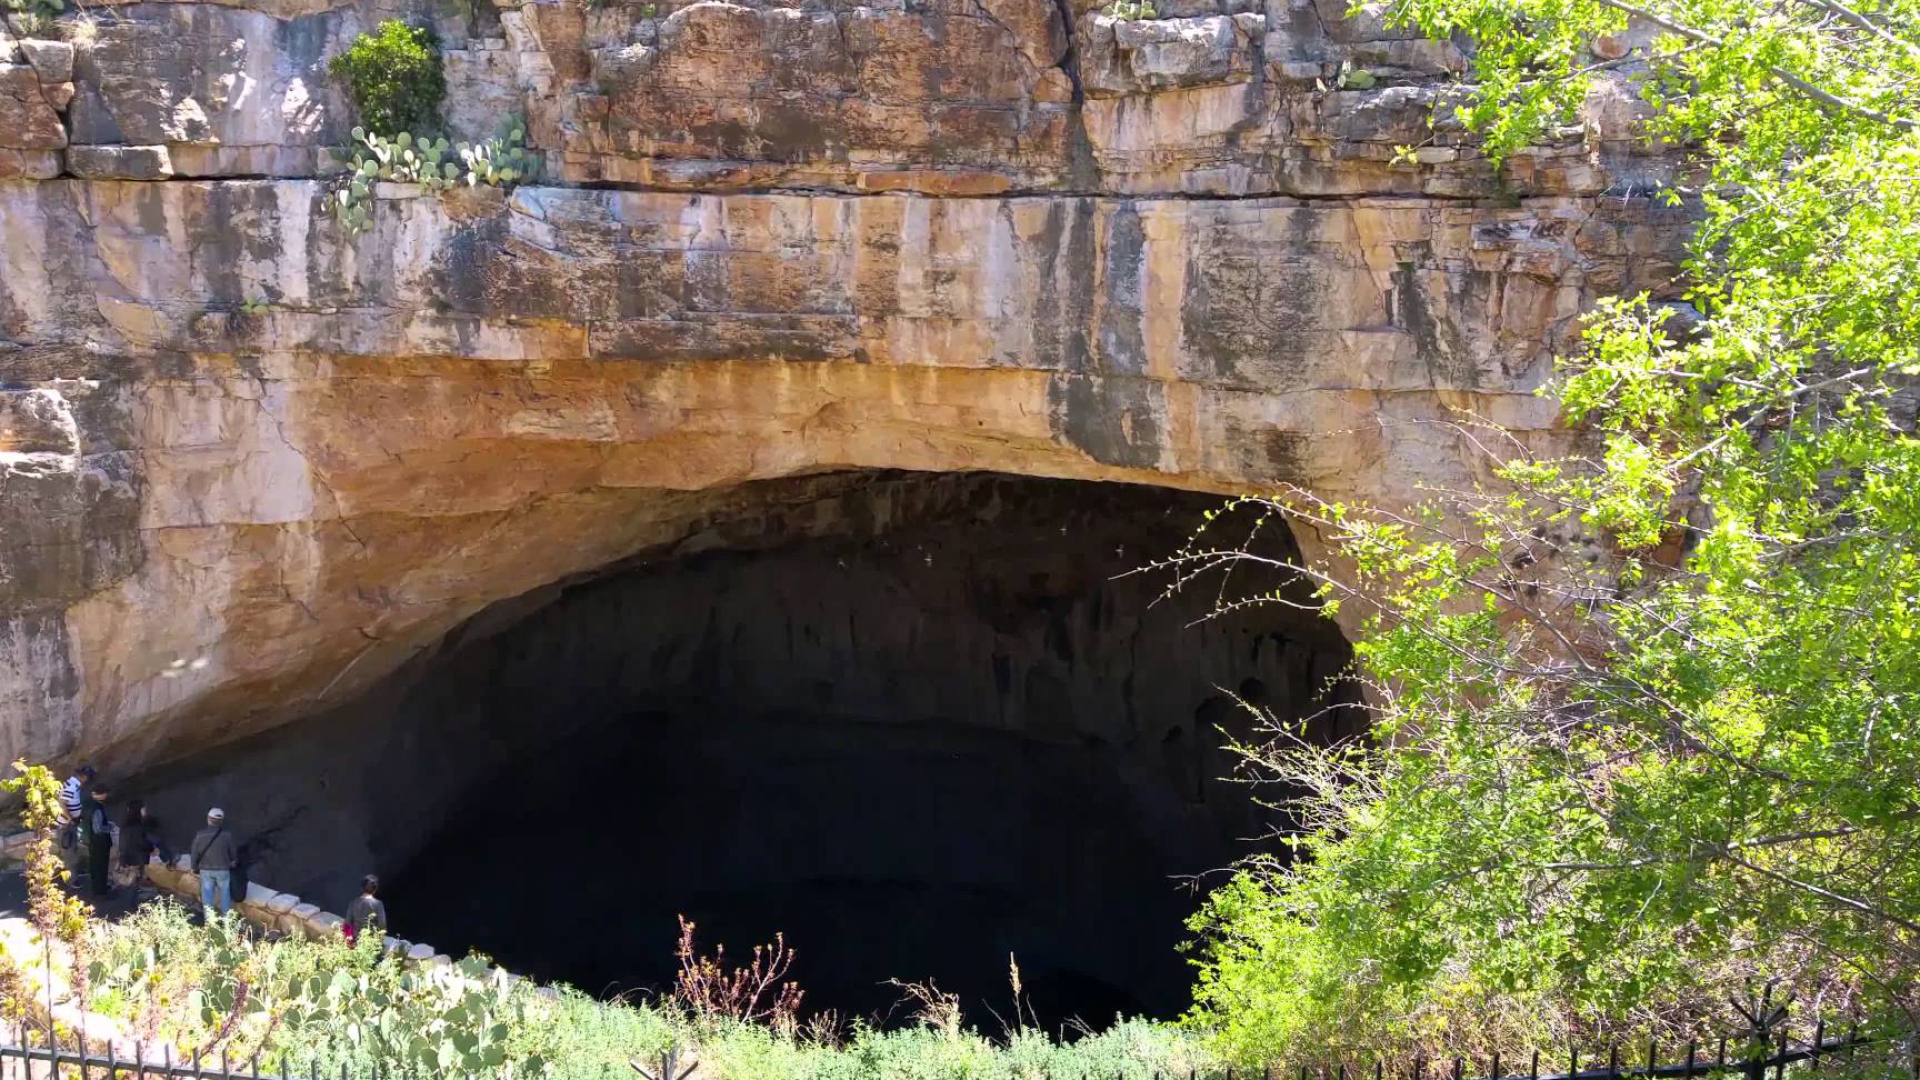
(56, 915)
(1646, 735)
(393, 76)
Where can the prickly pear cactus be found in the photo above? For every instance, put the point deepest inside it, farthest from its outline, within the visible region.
(501, 161)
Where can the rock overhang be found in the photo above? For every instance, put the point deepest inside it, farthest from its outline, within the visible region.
(1011, 236)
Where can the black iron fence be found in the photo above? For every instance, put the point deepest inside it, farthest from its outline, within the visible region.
(35, 1052)
(32, 1052)
(1750, 1055)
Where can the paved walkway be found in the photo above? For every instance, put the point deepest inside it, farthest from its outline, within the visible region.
(13, 897)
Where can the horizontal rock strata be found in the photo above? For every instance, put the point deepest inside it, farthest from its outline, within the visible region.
(249, 464)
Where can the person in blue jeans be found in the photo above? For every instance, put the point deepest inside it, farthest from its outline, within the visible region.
(213, 858)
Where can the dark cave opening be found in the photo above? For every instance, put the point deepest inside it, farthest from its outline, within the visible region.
(918, 723)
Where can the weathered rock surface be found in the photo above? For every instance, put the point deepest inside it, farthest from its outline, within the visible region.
(248, 465)
(945, 97)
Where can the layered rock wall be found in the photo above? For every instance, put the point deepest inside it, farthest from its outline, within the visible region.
(250, 464)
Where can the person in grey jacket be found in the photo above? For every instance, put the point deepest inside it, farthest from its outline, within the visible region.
(213, 858)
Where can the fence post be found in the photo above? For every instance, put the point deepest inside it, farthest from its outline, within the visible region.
(1613, 1062)
(81, 1040)
(1533, 1073)
(53, 1031)
(1690, 1049)
(1756, 1064)
(113, 1061)
(1494, 1073)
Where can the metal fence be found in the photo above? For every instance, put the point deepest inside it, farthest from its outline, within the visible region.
(23, 1056)
(30, 1053)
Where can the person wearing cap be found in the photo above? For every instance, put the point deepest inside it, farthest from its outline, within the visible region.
(213, 859)
(96, 829)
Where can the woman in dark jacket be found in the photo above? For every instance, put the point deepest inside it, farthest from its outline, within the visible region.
(139, 839)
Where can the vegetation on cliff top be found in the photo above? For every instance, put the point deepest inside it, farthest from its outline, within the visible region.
(1648, 719)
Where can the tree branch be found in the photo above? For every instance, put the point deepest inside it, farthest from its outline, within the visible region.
(1832, 101)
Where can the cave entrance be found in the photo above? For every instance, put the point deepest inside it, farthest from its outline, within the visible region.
(918, 723)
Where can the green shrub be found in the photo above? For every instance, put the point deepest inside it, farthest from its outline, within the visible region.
(33, 16)
(393, 76)
(320, 1007)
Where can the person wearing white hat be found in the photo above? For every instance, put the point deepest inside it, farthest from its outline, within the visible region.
(213, 859)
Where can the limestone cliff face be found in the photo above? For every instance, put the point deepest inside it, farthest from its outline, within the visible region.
(771, 239)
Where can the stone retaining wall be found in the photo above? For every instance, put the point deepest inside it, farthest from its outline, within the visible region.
(285, 912)
(262, 906)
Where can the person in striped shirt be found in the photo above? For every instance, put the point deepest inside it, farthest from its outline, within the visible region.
(73, 795)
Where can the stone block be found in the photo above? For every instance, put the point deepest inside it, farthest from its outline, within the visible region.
(119, 162)
(223, 160)
(16, 844)
(255, 907)
(36, 422)
(878, 85)
(29, 164)
(52, 59)
(1137, 56)
(205, 74)
(420, 953)
(323, 926)
(296, 918)
(27, 121)
(282, 903)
